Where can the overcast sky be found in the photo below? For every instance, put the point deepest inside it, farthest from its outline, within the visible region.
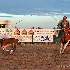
(41, 10)
(31, 6)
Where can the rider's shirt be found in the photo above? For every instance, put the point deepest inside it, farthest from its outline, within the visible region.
(63, 24)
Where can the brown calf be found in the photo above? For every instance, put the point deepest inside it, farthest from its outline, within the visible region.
(9, 42)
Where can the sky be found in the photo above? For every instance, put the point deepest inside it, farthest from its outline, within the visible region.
(34, 12)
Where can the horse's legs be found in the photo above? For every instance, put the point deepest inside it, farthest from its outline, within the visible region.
(65, 46)
(61, 48)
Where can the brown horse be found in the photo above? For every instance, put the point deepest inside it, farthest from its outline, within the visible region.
(65, 39)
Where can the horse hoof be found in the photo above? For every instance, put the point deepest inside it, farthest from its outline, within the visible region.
(62, 53)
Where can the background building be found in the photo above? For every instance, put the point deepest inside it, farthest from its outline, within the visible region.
(5, 24)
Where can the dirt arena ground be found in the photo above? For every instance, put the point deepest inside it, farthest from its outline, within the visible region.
(35, 57)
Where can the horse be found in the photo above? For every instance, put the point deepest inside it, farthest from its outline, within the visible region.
(65, 40)
(64, 34)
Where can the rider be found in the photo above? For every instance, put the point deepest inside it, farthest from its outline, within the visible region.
(64, 23)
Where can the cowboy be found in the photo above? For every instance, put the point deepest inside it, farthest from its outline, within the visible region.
(63, 24)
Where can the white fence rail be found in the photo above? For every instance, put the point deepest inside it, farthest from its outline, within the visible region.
(29, 35)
